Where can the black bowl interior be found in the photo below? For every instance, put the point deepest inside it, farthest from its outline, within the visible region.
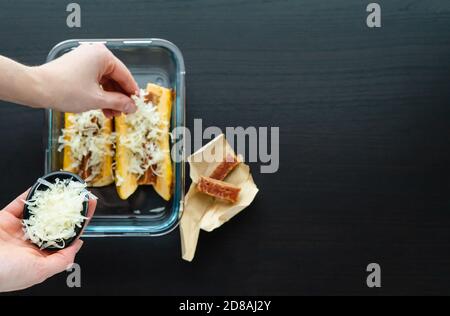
(51, 177)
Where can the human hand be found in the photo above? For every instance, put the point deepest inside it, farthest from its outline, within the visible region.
(72, 82)
(22, 264)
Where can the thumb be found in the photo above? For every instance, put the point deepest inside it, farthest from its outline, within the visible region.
(117, 101)
(60, 261)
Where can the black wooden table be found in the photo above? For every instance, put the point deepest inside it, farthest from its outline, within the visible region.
(364, 117)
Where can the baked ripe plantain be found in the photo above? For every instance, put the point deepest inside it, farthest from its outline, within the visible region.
(103, 170)
(126, 182)
(159, 175)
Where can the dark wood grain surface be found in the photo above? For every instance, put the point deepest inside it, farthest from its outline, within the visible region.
(364, 117)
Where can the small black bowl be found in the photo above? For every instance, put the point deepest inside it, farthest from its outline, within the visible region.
(51, 177)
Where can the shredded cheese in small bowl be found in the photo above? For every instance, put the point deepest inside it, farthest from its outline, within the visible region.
(55, 210)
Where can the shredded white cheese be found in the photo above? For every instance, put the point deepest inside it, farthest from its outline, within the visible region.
(144, 129)
(119, 181)
(55, 213)
(86, 137)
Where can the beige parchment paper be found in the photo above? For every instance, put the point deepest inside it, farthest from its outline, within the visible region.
(207, 213)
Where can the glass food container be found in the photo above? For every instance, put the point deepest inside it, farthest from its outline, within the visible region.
(144, 213)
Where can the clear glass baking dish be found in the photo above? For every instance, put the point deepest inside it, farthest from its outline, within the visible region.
(144, 213)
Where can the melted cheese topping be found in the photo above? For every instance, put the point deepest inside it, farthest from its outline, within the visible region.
(86, 137)
(144, 130)
(55, 213)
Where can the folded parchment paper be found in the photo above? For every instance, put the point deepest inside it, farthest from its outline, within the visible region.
(207, 213)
